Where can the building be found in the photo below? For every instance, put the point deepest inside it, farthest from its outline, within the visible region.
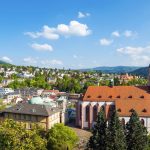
(29, 114)
(123, 99)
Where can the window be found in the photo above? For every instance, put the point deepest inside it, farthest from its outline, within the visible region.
(144, 110)
(123, 121)
(142, 96)
(99, 96)
(118, 96)
(94, 113)
(119, 110)
(110, 96)
(87, 113)
(142, 122)
(80, 111)
(131, 110)
(130, 96)
(88, 96)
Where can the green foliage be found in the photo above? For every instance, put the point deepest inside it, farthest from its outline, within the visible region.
(13, 136)
(136, 134)
(98, 139)
(61, 137)
(115, 134)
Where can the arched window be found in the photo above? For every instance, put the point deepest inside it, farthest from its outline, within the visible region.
(94, 113)
(80, 111)
(123, 121)
(142, 122)
(87, 112)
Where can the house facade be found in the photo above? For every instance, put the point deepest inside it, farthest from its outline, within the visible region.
(30, 114)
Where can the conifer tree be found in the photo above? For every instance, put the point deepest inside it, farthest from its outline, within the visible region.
(115, 134)
(98, 139)
(136, 133)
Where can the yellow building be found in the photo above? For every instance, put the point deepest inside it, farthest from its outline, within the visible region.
(43, 115)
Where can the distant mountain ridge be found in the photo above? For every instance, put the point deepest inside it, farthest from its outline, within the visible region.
(116, 69)
(143, 71)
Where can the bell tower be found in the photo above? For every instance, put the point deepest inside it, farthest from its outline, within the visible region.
(149, 75)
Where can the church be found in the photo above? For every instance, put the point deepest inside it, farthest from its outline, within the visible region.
(123, 99)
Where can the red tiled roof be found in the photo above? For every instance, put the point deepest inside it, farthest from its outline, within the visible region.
(125, 108)
(106, 93)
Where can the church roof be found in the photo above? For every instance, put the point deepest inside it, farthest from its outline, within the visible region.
(125, 108)
(113, 93)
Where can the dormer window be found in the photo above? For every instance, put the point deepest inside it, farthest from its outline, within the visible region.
(131, 110)
(88, 96)
(130, 96)
(99, 96)
(142, 96)
(118, 96)
(119, 110)
(110, 96)
(144, 110)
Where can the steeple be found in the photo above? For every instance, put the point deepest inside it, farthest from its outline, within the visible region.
(149, 75)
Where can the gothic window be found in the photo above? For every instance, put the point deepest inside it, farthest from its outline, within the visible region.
(87, 112)
(123, 121)
(80, 111)
(94, 113)
(142, 122)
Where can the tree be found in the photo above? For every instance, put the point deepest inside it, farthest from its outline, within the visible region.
(14, 136)
(98, 139)
(115, 134)
(136, 133)
(61, 137)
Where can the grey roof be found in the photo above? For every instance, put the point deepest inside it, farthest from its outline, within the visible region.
(32, 109)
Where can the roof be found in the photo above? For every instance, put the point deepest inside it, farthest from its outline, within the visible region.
(113, 93)
(125, 108)
(32, 109)
(36, 100)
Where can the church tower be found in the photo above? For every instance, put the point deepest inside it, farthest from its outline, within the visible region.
(149, 75)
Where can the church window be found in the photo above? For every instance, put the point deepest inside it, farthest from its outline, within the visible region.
(87, 112)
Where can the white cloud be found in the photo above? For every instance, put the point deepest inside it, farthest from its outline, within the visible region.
(83, 15)
(129, 33)
(74, 28)
(6, 59)
(116, 33)
(105, 42)
(47, 32)
(138, 55)
(42, 47)
(30, 60)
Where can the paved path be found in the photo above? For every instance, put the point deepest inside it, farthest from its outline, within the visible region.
(83, 135)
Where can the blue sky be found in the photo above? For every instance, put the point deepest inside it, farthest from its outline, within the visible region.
(75, 34)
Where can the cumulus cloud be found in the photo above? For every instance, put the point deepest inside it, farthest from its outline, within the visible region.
(74, 28)
(6, 59)
(47, 32)
(105, 42)
(115, 33)
(129, 33)
(138, 55)
(83, 15)
(42, 47)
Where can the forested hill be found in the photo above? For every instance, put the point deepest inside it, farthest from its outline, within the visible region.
(4, 63)
(141, 71)
(116, 69)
